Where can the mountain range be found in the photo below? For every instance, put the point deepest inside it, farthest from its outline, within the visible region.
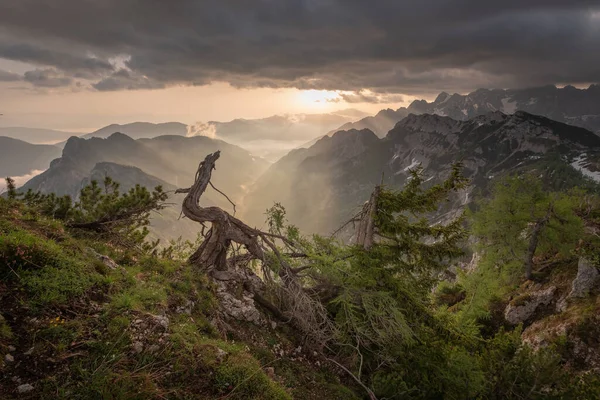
(170, 161)
(263, 136)
(324, 185)
(323, 181)
(138, 130)
(579, 107)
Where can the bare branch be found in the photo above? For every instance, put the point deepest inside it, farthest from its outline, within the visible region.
(224, 195)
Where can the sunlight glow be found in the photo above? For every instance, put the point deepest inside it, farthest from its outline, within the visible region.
(316, 98)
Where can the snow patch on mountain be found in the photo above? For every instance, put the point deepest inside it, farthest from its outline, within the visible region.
(508, 105)
(580, 163)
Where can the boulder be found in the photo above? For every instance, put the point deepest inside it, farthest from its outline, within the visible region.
(524, 307)
(587, 279)
(26, 388)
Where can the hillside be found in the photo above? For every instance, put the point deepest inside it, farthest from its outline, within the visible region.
(20, 158)
(90, 310)
(345, 173)
(97, 319)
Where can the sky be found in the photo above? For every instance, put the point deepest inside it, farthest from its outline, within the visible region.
(81, 64)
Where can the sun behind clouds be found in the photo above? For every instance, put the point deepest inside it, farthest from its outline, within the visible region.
(319, 99)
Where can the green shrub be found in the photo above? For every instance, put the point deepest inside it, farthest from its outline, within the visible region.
(42, 267)
(241, 377)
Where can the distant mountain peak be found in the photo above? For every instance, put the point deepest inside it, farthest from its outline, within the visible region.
(579, 107)
(119, 136)
(429, 123)
(442, 97)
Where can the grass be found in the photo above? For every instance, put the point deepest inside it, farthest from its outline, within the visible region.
(81, 322)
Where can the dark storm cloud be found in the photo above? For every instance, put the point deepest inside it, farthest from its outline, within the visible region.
(6, 76)
(360, 96)
(47, 78)
(386, 46)
(123, 79)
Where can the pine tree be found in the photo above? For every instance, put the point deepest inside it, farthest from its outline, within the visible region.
(521, 221)
(383, 313)
(101, 208)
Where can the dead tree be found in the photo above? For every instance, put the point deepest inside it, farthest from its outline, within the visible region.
(366, 224)
(212, 254)
(215, 257)
(365, 232)
(538, 226)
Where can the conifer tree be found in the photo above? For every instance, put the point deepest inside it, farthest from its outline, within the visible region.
(521, 221)
(382, 313)
(101, 208)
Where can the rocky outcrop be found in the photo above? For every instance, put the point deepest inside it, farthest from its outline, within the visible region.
(524, 307)
(587, 279)
(234, 301)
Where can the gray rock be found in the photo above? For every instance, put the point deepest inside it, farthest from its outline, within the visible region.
(9, 358)
(12, 348)
(221, 354)
(153, 349)
(186, 308)
(162, 321)
(138, 347)
(25, 388)
(106, 260)
(587, 279)
(522, 309)
(223, 275)
(242, 308)
(562, 305)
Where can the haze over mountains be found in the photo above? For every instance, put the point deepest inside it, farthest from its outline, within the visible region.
(36, 135)
(170, 161)
(324, 185)
(488, 129)
(138, 130)
(18, 157)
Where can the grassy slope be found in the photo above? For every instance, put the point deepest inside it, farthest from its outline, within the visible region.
(72, 327)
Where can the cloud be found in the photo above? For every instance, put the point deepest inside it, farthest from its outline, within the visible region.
(394, 46)
(202, 129)
(364, 96)
(20, 180)
(6, 76)
(47, 78)
(126, 80)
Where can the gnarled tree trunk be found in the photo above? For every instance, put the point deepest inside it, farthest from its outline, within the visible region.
(225, 229)
(297, 307)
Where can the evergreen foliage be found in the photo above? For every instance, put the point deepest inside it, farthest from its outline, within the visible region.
(101, 208)
(519, 229)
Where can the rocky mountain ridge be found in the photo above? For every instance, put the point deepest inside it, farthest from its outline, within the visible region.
(342, 176)
(579, 107)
